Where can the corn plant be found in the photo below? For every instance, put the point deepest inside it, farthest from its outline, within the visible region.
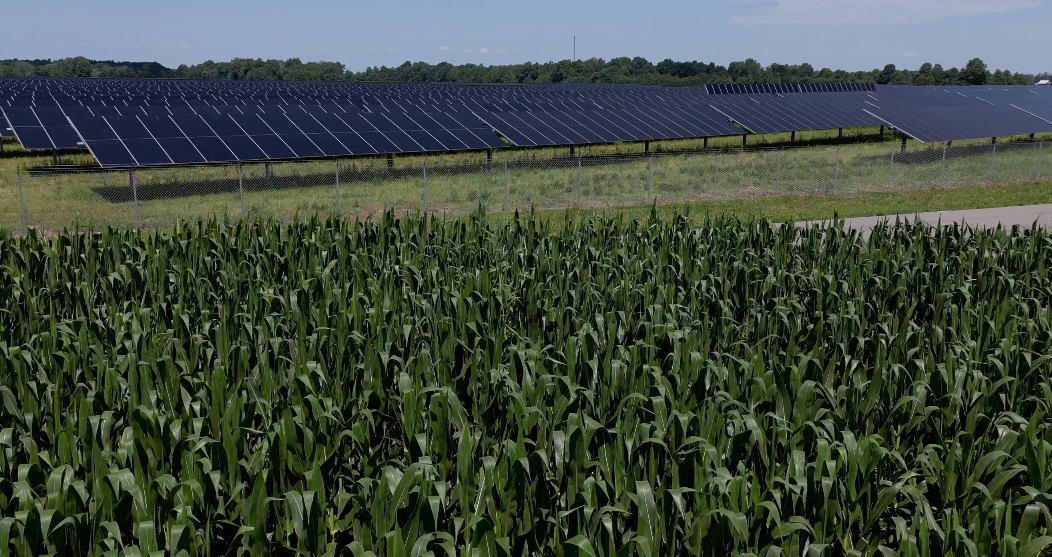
(428, 387)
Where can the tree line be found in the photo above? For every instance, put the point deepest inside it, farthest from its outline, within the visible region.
(594, 70)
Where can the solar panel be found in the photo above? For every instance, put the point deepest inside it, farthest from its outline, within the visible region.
(948, 115)
(27, 127)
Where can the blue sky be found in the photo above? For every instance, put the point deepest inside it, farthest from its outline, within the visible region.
(841, 34)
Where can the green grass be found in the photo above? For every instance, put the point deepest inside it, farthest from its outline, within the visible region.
(796, 208)
(782, 183)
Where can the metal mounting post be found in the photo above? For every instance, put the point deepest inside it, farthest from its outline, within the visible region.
(135, 197)
(792, 137)
(424, 200)
(650, 179)
(705, 143)
(1037, 165)
(504, 206)
(22, 205)
(266, 172)
(891, 170)
(993, 158)
(338, 190)
(778, 171)
(489, 157)
(579, 182)
(573, 152)
(840, 134)
(646, 147)
(241, 188)
(942, 173)
(836, 171)
(904, 138)
(390, 161)
(882, 131)
(716, 176)
(745, 140)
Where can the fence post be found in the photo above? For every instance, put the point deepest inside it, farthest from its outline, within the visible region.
(716, 176)
(578, 182)
(993, 158)
(942, 173)
(778, 170)
(836, 171)
(650, 178)
(22, 204)
(338, 189)
(1037, 163)
(135, 198)
(891, 169)
(504, 205)
(241, 189)
(1040, 147)
(424, 203)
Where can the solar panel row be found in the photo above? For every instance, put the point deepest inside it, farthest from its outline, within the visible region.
(949, 114)
(274, 134)
(780, 88)
(142, 122)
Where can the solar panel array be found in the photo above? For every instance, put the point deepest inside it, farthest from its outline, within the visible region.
(785, 88)
(129, 122)
(936, 114)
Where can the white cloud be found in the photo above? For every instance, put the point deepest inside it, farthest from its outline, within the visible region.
(910, 55)
(443, 48)
(468, 50)
(870, 11)
(484, 51)
(502, 52)
(143, 41)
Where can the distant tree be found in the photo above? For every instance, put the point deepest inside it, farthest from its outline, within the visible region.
(593, 70)
(975, 72)
(888, 75)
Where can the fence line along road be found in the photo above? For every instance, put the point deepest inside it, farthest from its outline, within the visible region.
(151, 198)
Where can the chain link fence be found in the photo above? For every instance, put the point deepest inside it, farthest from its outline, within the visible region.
(363, 188)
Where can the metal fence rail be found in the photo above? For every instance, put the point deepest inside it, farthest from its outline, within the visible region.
(152, 198)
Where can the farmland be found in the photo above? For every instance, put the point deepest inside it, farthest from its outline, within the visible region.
(425, 386)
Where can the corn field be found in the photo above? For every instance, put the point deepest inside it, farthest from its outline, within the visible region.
(428, 387)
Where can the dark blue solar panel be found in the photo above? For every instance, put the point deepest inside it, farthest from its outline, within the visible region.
(213, 149)
(329, 145)
(244, 148)
(273, 147)
(302, 146)
(355, 144)
(111, 153)
(147, 152)
(181, 150)
(379, 142)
